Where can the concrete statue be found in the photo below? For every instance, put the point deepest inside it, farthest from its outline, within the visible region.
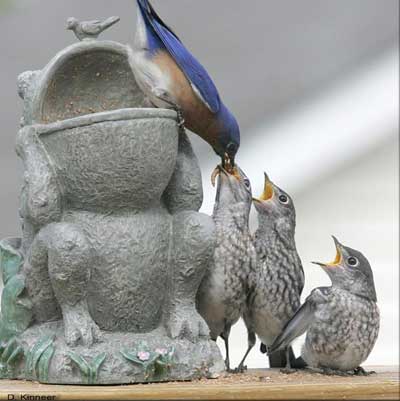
(101, 287)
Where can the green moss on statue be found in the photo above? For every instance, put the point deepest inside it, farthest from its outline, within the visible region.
(16, 308)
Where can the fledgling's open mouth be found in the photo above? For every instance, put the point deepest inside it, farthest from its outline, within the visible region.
(221, 169)
(268, 192)
(338, 258)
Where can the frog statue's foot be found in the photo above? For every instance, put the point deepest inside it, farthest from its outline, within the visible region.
(79, 325)
(194, 240)
(180, 326)
(58, 271)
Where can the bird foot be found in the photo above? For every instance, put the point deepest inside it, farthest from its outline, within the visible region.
(330, 372)
(239, 369)
(167, 98)
(360, 371)
(181, 119)
(288, 371)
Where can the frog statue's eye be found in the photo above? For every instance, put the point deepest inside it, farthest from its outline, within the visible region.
(352, 261)
(283, 199)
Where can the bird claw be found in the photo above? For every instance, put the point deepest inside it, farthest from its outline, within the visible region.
(288, 371)
(239, 369)
(181, 119)
(360, 371)
(330, 372)
(166, 97)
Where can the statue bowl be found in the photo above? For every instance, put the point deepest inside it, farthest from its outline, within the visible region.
(122, 159)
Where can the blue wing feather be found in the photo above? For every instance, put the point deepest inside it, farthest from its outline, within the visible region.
(193, 70)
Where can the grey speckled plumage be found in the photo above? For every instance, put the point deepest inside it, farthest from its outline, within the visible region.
(341, 321)
(222, 295)
(278, 280)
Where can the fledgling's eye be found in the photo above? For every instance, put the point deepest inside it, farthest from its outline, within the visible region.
(352, 261)
(283, 199)
(246, 182)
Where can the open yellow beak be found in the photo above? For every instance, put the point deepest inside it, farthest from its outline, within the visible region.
(268, 192)
(338, 258)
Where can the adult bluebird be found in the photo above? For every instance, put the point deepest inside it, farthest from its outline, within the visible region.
(341, 321)
(171, 77)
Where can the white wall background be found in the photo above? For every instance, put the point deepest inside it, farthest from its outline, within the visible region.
(337, 154)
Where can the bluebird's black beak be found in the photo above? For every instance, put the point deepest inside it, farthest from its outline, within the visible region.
(228, 163)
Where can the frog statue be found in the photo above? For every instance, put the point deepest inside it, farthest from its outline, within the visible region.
(104, 278)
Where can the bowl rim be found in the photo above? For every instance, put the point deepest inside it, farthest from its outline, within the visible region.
(105, 116)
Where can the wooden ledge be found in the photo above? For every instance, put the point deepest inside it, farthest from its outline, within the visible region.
(257, 384)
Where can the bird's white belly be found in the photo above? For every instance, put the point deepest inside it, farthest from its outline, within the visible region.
(216, 304)
(350, 359)
(150, 78)
(267, 327)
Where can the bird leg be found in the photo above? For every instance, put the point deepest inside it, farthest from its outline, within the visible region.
(288, 368)
(251, 340)
(225, 337)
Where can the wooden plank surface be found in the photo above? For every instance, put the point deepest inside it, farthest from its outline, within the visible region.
(266, 384)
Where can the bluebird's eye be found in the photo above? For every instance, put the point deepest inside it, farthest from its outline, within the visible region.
(352, 261)
(246, 182)
(283, 199)
(231, 148)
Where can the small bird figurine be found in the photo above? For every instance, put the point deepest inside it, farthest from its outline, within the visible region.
(278, 279)
(87, 30)
(222, 294)
(341, 321)
(171, 77)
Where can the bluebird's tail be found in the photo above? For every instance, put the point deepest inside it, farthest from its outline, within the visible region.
(150, 14)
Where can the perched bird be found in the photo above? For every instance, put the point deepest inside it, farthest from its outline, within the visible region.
(171, 77)
(89, 29)
(341, 321)
(222, 294)
(278, 279)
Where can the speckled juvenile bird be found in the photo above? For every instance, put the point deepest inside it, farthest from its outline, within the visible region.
(90, 29)
(341, 321)
(171, 77)
(222, 295)
(278, 279)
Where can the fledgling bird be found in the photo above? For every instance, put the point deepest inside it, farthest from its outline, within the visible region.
(222, 294)
(341, 321)
(171, 77)
(87, 30)
(278, 279)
